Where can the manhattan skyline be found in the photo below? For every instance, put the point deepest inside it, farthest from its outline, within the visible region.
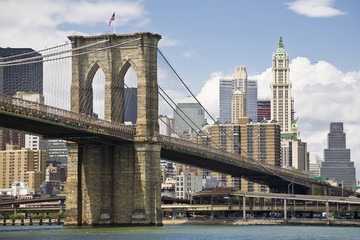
(206, 40)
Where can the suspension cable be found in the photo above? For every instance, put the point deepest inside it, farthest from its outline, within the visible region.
(198, 100)
(52, 54)
(73, 55)
(35, 51)
(200, 130)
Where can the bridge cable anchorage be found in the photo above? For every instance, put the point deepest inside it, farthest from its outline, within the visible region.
(200, 130)
(36, 51)
(70, 56)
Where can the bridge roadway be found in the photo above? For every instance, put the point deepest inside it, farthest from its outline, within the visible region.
(32, 200)
(55, 123)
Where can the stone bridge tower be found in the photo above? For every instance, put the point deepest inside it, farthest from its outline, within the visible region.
(117, 184)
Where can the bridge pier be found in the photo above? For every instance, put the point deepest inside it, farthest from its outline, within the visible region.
(114, 185)
(117, 184)
(147, 185)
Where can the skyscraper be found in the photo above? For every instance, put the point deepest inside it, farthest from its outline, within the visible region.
(240, 82)
(191, 108)
(281, 89)
(26, 78)
(252, 100)
(57, 152)
(130, 99)
(247, 87)
(337, 164)
(225, 92)
(237, 106)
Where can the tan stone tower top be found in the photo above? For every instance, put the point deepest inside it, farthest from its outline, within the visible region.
(281, 89)
(114, 54)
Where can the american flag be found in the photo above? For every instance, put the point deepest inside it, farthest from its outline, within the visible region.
(112, 19)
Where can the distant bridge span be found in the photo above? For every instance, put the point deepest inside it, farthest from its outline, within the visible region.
(51, 122)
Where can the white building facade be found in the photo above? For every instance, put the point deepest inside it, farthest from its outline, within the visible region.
(187, 183)
(281, 89)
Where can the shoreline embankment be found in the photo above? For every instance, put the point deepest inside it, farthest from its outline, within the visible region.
(272, 222)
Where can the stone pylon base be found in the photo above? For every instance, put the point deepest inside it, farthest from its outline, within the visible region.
(113, 185)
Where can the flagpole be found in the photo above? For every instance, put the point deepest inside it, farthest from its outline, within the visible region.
(114, 24)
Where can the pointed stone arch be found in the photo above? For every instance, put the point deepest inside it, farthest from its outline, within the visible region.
(126, 174)
(86, 104)
(141, 54)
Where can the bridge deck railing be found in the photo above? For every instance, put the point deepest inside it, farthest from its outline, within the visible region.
(235, 158)
(77, 120)
(93, 124)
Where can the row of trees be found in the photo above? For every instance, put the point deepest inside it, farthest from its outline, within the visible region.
(21, 216)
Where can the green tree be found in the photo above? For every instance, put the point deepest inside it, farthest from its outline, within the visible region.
(16, 216)
(61, 215)
(50, 215)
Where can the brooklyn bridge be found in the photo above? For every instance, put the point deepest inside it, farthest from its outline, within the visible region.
(114, 169)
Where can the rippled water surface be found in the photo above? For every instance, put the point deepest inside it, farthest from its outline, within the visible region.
(177, 232)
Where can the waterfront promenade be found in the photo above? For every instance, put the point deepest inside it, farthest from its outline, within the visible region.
(207, 221)
(272, 222)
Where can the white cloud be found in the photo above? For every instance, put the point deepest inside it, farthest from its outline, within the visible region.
(264, 80)
(323, 89)
(28, 25)
(166, 41)
(189, 54)
(322, 94)
(315, 8)
(209, 94)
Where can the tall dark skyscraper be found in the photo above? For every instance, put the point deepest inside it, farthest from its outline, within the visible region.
(20, 78)
(337, 164)
(130, 105)
(225, 95)
(25, 78)
(252, 100)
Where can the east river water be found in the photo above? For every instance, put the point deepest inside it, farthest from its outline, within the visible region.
(181, 232)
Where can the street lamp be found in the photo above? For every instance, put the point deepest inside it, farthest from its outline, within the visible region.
(292, 190)
(342, 188)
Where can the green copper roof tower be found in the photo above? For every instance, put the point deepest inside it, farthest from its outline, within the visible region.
(280, 52)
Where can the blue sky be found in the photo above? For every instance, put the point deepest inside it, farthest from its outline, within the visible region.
(200, 37)
(221, 34)
(205, 39)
